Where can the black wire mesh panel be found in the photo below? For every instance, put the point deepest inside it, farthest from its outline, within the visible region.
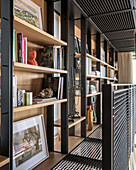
(97, 134)
(89, 148)
(72, 162)
(120, 125)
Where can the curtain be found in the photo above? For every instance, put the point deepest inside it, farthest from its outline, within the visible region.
(125, 64)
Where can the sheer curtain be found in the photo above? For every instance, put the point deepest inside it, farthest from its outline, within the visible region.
(125, 62)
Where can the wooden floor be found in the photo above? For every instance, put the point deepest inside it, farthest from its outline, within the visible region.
(54, 157)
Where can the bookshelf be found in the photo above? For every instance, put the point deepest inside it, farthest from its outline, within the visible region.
(3, 161)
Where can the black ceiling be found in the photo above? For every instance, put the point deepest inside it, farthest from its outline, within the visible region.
(115, 18)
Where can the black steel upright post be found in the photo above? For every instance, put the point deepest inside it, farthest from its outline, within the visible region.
(89, 42)
(106, 55)
(6, 148)
(107, 127)
(71, 100)
(50, 109)
(50, 17)
(98, 55)
(64, 108)
(83, 75)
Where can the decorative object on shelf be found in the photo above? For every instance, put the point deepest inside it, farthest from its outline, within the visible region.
(56, 84)
(45, 57)
(32, 60)
(90, 118)
(20, 97)
(29, 12)
(46, 93)
(29, 143)
(28, 98)
(94, 52)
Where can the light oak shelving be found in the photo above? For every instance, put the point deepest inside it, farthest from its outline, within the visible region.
(3, 160)
(36, 35)
(57, 123)
(36, 69)
(34, 106)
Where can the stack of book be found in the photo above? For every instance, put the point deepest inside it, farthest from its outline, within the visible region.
(19, 48)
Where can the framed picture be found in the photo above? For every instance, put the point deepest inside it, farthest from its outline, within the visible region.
(28, 11)
(29, 143)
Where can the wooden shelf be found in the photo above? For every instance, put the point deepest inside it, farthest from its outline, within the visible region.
(93, 76)
(95, 94)
(106, 64)
(111, 67)
(57, 123)
(93, 58)
(3, 160)
(89, 95)
(115, 69)
(115, 79)
(36, 35)
(78, 55)
(34, 106)
(108, 78)
(36, 69)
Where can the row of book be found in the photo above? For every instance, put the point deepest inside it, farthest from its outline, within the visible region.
(19, 47)
(21, 97)
(52, 57)
(111, 73)
(103, 71)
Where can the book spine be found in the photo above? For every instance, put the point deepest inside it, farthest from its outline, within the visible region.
(62, 87)
(58, 56)
(14, 91)
(20, 47)
(25, 38)
(14, 46)
(18, 97)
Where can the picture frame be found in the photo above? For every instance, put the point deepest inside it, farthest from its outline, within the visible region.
(29, 12)
(29, 143)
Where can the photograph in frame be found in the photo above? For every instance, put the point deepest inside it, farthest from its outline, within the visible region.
(29, 12)
(29, 143)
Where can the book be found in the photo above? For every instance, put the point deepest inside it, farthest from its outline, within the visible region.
(14, 46)
(15, 91)
(62, 84)
(76, 45)
(20, 47)
(25, 50)
(89, 66)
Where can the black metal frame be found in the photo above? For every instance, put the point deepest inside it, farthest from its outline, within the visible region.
(119, 120)
(6, 148)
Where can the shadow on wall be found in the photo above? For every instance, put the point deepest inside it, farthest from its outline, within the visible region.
(125, 62)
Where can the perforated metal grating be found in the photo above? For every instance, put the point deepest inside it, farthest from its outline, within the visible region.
(87, 155)
(97, 133)
(116, 19)
(71, 162)
(89, 148)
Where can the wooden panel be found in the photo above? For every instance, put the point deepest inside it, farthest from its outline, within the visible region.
(77, 32)
(36, 35)
(31, 82)
(3, 160)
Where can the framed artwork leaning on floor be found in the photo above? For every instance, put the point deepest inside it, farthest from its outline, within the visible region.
(29, 143)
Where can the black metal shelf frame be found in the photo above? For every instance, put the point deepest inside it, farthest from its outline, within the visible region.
(119, 122)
